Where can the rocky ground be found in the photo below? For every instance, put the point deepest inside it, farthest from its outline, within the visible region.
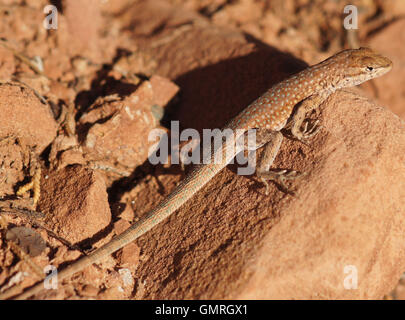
(78, 103)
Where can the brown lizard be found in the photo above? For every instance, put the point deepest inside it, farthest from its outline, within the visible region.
(267, 115)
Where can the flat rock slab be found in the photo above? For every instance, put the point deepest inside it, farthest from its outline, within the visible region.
(233, 241)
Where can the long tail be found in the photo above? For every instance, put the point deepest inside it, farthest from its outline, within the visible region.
(193, 182)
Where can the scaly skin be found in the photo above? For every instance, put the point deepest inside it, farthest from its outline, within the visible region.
(270, 113)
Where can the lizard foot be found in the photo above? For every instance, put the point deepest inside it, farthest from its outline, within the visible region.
(280, 178)
(308, 132)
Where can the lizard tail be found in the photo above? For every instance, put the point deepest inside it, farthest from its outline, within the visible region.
(193, 182)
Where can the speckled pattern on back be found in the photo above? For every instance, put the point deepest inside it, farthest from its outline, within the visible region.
(345, 69)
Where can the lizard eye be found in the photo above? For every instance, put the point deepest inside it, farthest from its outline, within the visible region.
(369, 68)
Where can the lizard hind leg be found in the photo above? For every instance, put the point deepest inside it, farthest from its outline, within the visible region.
(271, 149)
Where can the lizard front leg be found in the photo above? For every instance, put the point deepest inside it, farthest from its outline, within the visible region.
(298, 118)
(271, 142)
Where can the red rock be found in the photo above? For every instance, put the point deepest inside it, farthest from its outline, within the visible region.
(7, 65)
(13, 158)
(127, 213)
(89, 291)
(114, 138)
(120, 226)
(112, 293)
(80, 16)
(75, 202)
(23, 115)
(128, 257)
(163, 90)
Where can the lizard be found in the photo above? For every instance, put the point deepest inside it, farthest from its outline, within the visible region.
(283, 105)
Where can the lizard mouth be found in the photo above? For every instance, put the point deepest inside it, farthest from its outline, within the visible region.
(385, 63)
(385, 68)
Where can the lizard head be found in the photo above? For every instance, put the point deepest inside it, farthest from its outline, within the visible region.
(359, 65)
